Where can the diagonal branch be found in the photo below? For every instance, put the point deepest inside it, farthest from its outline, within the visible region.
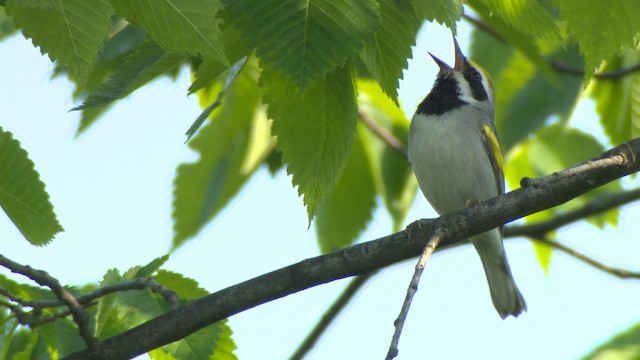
(621, 273)
(534, 196)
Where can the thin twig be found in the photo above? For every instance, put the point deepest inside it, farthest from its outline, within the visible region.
(411, 291)
(330, 315)
(598, 205)
(383, 133)
(80, 316)
(554, 64)
(621, 273)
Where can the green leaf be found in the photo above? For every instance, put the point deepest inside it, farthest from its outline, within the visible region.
(554, 148)
(231, 146)
(6, 26)
(492, 54)
(392, 172)
(527, 110)
(446, 12)
(386, 55)
(185, 287)
(145, 63)
(152, 267)
(527, 17)
(618, 101)
(22, 194)
(183, 26)
(61, 337)
(529, 46)
(348, 209)
(616, 28)
(71, 32)
(305, 40)
(623, 346)
(315, 131)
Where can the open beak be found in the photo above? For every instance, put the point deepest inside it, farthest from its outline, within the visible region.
(461, 61)
(441, 64)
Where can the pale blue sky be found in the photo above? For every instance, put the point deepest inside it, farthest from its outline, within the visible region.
(111, 189)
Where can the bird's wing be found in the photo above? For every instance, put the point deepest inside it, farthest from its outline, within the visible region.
(492, 147)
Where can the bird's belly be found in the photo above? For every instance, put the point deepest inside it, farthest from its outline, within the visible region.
(451, 165)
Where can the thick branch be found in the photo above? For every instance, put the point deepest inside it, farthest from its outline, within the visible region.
(364, 258)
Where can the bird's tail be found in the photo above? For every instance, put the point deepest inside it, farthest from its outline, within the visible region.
(504, 293)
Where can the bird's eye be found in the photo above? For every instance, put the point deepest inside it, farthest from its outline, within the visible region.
(476, 76)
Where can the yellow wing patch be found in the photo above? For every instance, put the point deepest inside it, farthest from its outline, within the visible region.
(495, 145)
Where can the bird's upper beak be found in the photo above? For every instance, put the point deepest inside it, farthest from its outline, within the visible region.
(460, 63)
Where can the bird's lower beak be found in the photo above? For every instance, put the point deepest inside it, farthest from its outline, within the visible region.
(441, 64)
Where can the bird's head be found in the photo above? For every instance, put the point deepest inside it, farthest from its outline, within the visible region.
(464, 83)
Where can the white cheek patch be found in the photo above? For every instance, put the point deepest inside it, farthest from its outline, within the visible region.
(464, 90)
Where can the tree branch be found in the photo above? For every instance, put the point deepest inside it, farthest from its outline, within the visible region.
(534, 196)
(383, 133)
(621, 273)
(78, 313)
(554, 64)
(330, 315)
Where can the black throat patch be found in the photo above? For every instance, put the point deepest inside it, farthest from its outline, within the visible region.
(442, 98)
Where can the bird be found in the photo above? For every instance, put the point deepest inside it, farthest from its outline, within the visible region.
(455, 154)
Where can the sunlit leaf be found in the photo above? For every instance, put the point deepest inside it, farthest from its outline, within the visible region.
(315, 131)
(602, 29)
(184, 26)
(386, 55)
(623, 346)
(305, 40)
(446, 12)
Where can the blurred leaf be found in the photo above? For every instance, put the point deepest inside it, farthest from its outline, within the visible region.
(23, 196)
(185, 287)
(305, 40)
(6, 26)
(529, 108)
(231, 147)
(71, 32)
(61, 337)
(315, 131)
(618, 101)
(152, 267)
(623, 346)
(145, 63)
(183, 26)
(543, 254)
(392, 172)
(490, 53)
(527, 17)
(554, 148)
(617, 28)
(348, 209)
(527, 45)
(386, 55)
(445, 12)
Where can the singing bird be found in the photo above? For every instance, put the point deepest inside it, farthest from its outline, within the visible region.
(456, 157)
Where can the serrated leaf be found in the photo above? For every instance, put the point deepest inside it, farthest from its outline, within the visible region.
(622, 346)
(527, 17)
(618, 101)
(237, 132)
(6, 26)
(71, 32)
(617, 28)
(185, 287)
(446, 12)
(145, 63)
(184, 26)
(386, 55)
(23, 196)
(392, 172)
(348, 209)
(305, 40)
(315, 131)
